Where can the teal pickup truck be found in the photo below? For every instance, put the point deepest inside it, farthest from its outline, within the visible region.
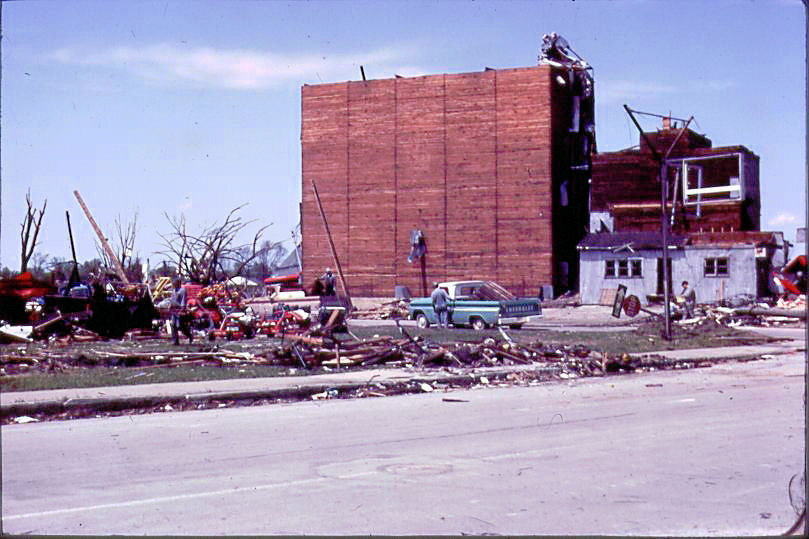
(479, 304)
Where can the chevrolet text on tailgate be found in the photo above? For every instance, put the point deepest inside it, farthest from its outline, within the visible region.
(479, 304)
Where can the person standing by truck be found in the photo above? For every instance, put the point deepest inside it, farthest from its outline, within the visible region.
(440, 301)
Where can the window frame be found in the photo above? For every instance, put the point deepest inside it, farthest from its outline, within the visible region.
(716, 266)
(623, 268)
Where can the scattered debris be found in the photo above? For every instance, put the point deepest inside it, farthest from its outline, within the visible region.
(295, 345)
(328, 394)
(753, 313)
(11, 334)
(384, 311)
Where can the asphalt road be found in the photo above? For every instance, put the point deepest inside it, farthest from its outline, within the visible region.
(693, 452)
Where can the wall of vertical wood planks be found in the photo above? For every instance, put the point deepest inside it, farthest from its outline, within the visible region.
(466, 158)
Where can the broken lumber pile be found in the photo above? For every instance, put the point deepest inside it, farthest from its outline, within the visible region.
(418, 352)
(387, 310)
(753, 314)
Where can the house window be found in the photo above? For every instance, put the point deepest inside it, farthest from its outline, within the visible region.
(716, 267)
(632, 267)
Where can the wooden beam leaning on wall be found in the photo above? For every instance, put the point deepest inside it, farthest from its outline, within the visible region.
(331, 243)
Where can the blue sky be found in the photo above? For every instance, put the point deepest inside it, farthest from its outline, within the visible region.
(194, 107)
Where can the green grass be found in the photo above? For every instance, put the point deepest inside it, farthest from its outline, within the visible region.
(119, 376)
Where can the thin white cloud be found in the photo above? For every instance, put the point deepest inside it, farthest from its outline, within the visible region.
(624, 90)
(784, 218)
(621, 91)
(240, 69)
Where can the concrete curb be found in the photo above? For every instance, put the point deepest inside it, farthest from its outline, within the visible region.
(301, 392)
(409, 384)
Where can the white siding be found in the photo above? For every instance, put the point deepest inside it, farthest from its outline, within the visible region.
(741, 278)
(686, 265)
(593, 281)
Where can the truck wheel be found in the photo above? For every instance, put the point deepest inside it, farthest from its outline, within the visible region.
(421, 321)
(478, 324)
(515, 326)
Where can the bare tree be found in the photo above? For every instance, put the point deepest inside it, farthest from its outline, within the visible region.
(126, 240)
(206, 257)
(31, 223)
(124, 247)
(270, 254)
(38, 265)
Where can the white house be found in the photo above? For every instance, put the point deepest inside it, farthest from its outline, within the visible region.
(719, 265)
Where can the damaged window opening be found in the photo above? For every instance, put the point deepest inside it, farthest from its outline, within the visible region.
(632, 267)
(708, 179)
(716, 267)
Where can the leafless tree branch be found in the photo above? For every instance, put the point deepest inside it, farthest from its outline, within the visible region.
(32, 222)
(206, 258)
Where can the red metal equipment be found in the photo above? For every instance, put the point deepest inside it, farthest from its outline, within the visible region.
(790, 279)
(235, 326)
(282, 321)
(285, 282)
(24, 286)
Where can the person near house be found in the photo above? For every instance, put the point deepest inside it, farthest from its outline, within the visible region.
(689, 299)
(329, 283)
(178, 303)
(440, 301)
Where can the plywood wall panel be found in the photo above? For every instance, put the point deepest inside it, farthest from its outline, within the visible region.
(463, 157)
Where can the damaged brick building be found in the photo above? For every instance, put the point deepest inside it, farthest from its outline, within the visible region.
(491, 167)
(721, 185)
(714, 215)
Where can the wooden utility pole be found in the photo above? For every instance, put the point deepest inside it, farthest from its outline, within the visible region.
(119, 270)
(74, 274)
(331, 242)
(664, 223)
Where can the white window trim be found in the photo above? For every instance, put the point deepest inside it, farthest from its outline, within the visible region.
(615, 268)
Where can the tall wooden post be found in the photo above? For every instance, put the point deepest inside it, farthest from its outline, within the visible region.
(331, 242)
(119, 270)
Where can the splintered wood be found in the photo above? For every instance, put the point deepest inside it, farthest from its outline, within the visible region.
(388, 310)
(312, 352)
